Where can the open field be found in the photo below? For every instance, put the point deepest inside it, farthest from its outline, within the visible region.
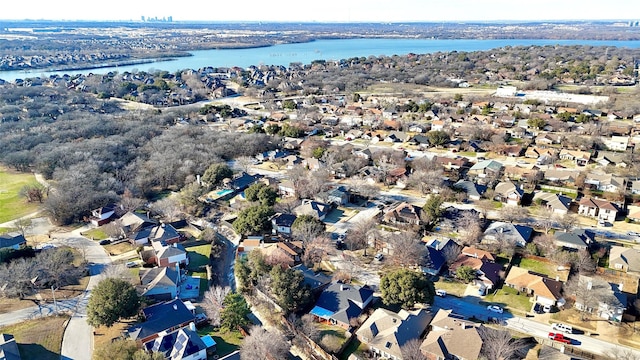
(12, 206)
(39, 339)
(226, 341)
(395, 89)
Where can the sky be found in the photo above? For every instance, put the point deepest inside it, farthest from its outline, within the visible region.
(326, 10)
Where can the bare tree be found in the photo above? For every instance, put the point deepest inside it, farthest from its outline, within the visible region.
(129, 202)
(317, 250)
(588, 293)
(546, 244)
(498, 344)
(513, 213)
(407, 249)
(118, 271)
(411, 350)
(169, 208)
(244, 163)
(470, 228)
(619, 353)
(212, 303)
(114, 229)
(485, 206)
(22, 225)
(264, 345)
(450, 254)
(546, 219)
(361, 234)
(568, 221)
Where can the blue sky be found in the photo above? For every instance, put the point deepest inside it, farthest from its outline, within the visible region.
(326, 10)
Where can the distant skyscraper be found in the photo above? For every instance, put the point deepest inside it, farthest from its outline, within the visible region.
(170, 19)
(142, 18)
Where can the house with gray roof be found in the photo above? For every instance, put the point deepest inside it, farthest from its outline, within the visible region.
(341, 302)
(579, 239)
(313, 208)
(486, 168)
(518, 235)
(609, 301)
(12, 241)
(9, 348)
(473, 190)
(165, 318)
(183, 344)
(508, 193)
(316, 280)
(624, 259)
(160, 283)
(557, 203)
(385, 332)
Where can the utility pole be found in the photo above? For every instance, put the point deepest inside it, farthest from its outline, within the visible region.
(55, 304)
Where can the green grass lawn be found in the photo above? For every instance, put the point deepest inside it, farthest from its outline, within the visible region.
(198, 256)
(452, 287)
(39, 339)
(95, 234)
(226, 341)
(12, 206)
(355, 347)
(538, 267)
(509, 298)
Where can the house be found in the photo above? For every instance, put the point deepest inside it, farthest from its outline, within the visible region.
(336, 196)
(452, 337)
(633, 210)
(437, 254)
(557, 203)
(561, 176)
(339, 303)
(286, 188)
(103, 215)
(281, 223)
(170, 255)
(161, 318)
(597, 208)
(544, 290)
(486, 168)
(133, 222)
(498, 231)
(160, 284)
(12, 241)
(404, 213)
(241, 181)
(488, 273)
(616, 143)
(581, 158)
(616, 159)
(577, 238)
(385, 332)
(624, 259)
(606, 182)
(456, 163)
(508, 193)
(9, 348)
(473, 190)
(535, 152)
(609, 302)
(184, 344)
(316, 281)
(313, 208)
(164, 234)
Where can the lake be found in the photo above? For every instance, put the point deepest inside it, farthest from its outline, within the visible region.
(321, 49)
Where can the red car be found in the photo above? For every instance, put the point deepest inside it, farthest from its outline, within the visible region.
(559, 337)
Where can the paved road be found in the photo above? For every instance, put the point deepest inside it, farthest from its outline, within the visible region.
(77, 343)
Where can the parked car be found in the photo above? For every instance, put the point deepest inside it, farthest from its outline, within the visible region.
(340, 245)
(546, 308)
(441, 293)
(105, 242)
(379, 257)
(537, 308)
(559, 337)
(495, 308)
(132, 264)
(633, 233)
(562, 327)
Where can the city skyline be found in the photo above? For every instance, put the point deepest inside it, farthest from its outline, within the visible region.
(330, 11)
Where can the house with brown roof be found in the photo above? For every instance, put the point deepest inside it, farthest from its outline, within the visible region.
(452, 337)
(385, 332)
(544, 290)
(488, 273)
(535, 152)
(404, 213)
(597, 208)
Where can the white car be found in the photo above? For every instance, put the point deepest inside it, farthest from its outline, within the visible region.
(379, 257)
(633, 233)
(495, 308)
(441, 293)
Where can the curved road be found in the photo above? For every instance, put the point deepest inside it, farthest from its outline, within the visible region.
(77, 343)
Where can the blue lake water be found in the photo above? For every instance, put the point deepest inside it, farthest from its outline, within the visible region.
(286, 54)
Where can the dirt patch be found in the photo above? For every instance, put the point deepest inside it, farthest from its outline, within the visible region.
(102, 335)
(39, 339)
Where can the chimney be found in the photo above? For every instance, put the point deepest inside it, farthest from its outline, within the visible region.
(175, 307)
(192, 326)
(557, 277)
(620, 286)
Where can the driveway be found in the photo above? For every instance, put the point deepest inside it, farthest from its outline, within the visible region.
(77, 342)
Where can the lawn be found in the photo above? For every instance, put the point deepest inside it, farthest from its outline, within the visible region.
(95, 234)
(452, 287)
(39, 339)
(102, 336)
(538, 267)
(355, 347)
(509, 298)
(198, 256)
(120, 248)
(12, 206)
(226, 341)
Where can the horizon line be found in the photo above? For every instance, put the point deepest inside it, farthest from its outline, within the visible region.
(324, 22)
